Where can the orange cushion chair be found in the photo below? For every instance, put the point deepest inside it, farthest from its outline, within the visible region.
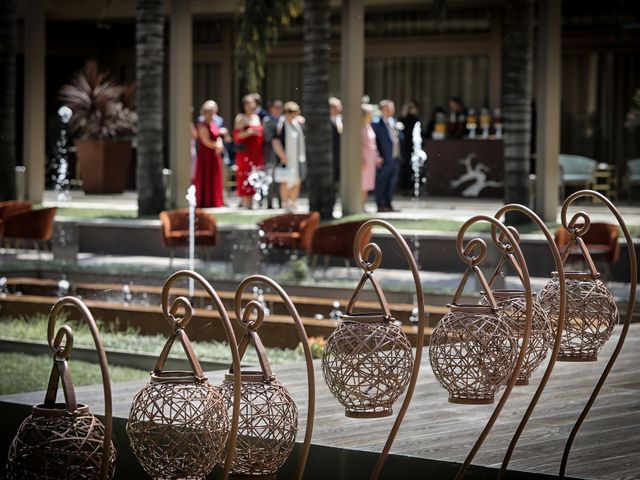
(293, 231)
(337, 241)
(601, 240)
(12, 207)
(175, 229)
(35, 225)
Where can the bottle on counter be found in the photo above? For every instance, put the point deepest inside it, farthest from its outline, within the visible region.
(472, 123)
(440, 127)
(497, 122)
(485, 122)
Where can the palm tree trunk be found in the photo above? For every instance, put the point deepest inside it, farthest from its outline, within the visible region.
(315, 107)
(517, 81)
(149, 69)
(8, 41)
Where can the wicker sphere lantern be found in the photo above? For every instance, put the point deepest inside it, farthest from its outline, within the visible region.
(473, 352)
(591, 313)
(178, 424)
(512, 304)
(591, 316)
(474, 348)
(367, 363)
(268, 417)
(65, 440)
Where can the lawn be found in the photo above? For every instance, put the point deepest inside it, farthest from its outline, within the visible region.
(250, 218)
(26, 373)
(34, 328)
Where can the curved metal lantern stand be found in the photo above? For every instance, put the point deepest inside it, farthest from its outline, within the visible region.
(632, 295)
(68, 426)
(361, 255)
(466, 254)
(170, 311)
(558, 334)
(251, 327)
(55, 341)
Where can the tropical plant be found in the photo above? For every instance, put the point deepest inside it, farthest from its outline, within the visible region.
(98, 105)
(258, 32)
(149, 74)
(315, 106)
(8, 42)
(517, 88)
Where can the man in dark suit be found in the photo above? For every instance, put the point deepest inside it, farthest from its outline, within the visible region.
(388, 141)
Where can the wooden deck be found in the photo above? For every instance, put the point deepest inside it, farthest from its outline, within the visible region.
(607, 447)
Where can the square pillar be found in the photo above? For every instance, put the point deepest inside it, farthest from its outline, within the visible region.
(549, 68)
(180, 98)
(352, 83)
(34, 150)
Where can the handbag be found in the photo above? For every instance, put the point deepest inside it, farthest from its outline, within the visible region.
(283, 174)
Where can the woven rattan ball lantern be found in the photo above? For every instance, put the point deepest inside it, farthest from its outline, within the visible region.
(473, 352)
(513, 306)
(591, 315)
(65, 440)
(268, 419)
(367, 363)
(55, 443)
(178, 423)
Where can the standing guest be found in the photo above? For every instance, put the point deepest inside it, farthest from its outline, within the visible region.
(270, 125)
(388, 143)
(335, 116)
(410, 116)
(290, 173)
(370, 156)
(224, 133)
(247, 135)
(261, 112)
(208, 175)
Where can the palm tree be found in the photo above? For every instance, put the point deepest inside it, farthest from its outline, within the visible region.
(315, 107)
(517, 66)
(259, 26)
(149, 74)
(8, 41)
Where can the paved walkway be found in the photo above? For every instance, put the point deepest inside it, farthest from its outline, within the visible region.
(459, 209)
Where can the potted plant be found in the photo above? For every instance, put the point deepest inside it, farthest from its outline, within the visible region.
(104, 124)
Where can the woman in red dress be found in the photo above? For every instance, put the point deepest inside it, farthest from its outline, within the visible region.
(208, 177)
(247, 135)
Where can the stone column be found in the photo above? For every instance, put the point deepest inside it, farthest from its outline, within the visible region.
(352, 86)
(34, 150)
(180, 98)
(548, 93)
